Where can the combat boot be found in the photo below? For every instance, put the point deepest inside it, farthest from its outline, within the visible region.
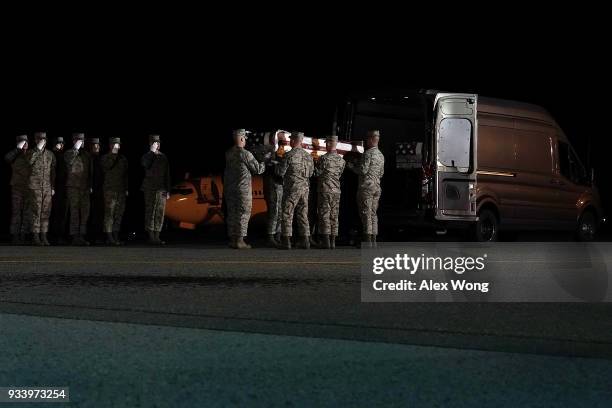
(285, 242)
(232, 242)
(272, 242)
(159, 240)
(36, 239)
(366, 241)
(110, 240)
(240, 244)
(116, 238)
(15, 240)
(374, 244)
(43, 239)
(324, 242)
(332, 242)
(303, 242)
(78, 240)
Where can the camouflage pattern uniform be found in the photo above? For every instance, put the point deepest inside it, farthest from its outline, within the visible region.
(273, 188)
(296, 169)
(41, 184)
(19, 189)
(370, 169)
(78, 187)
(96, 211)
(237, 185)
(59, 207)
(156, 186)
(329, 169)
(115, 169)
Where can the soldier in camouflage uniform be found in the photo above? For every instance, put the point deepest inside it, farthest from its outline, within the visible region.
(115, 170)
(296, 168)
(41, 186)
(273, 190)
(20, 167)
(78, 188)
(370, 170)
(59, 207)
(96, 210)
(237, 188)
(156, 188)
(329, 169)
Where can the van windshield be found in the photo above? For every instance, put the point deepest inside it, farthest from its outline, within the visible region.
(454, 142)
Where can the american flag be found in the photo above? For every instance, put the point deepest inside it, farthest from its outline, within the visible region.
(313, 145)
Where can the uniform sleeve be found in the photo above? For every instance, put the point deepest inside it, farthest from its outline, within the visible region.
(11, 156)
(281, 169)
(52, 173)
(106, 163)
(69, 158)
(33, 156)
(363, 166)
(147, 160)
(320, 167)
(310, 166)
(252, 164)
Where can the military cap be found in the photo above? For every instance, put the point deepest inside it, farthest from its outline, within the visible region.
(114, 140)
(94, 140)
(154, 138)
(373, 133)
(40, 135)
(59, 139)
(78, 136)
(239, 133)
(332, 138)
(22, 138)
(297, 135)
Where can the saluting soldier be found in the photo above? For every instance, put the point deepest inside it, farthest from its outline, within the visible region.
(240, 164)
(329, 170)
(59, 207)
(20, 168)
(78, 188)
(370, 170)
(296, 169)
(41, 184)
(115, 170)
(96, 213)
(156, 188)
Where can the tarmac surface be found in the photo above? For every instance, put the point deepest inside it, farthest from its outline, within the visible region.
(284, 328)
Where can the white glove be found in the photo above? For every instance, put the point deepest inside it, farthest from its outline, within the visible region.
(91, 191)
(127, 193)
(21, 144)
(268, 155)
(58, 146)
(78, 144)
(115, 148)
(154, 147)
(52, 192)
(41, 144)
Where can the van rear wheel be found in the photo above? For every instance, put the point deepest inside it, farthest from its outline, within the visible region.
(487, 226)
(587, 227)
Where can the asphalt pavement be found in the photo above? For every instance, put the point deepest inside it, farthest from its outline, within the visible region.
(301, 309)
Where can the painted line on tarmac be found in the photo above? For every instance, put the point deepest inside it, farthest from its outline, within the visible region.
(163, 262)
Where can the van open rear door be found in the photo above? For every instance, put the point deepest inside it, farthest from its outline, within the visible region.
(456, 138)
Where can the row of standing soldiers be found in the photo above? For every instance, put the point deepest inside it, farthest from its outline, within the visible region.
(286, 188)
(67, 186)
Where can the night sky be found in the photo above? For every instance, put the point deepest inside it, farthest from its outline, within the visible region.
(193, 89)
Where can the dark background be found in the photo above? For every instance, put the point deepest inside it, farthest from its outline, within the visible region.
(195, 87)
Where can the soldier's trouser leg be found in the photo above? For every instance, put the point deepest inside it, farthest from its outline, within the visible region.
(367, 201)
(324, 213)
(274, 202)
(245, 206)
(40, 210)
(19, 208)
(78, 206)
(290, 200)
(334, 213)
(302, 214)
(155, 206)
(114, 207)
